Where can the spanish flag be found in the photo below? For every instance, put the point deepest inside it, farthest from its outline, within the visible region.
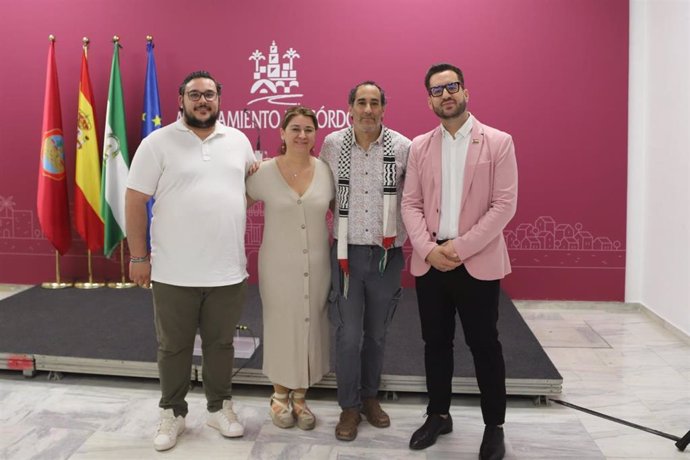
(87, 177)
(51, 202)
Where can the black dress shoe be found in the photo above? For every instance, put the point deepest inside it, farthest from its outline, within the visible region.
(492, 443)
(432, 428)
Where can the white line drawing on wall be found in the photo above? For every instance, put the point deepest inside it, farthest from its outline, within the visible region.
(546, 234)
(544, 244)
(547, 244)
(15, 223)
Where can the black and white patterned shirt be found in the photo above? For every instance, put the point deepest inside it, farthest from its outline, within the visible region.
(366, 186)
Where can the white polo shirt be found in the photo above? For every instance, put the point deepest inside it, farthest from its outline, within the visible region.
(199, 217)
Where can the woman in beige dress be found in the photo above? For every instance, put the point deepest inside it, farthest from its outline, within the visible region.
(294, 267)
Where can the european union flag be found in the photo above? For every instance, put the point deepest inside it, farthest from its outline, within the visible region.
(151, 117)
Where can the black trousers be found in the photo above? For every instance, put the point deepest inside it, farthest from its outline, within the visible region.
(440, 295)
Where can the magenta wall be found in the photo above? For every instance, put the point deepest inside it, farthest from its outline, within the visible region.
(553, 73)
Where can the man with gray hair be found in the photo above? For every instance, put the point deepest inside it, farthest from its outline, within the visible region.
(368, 162)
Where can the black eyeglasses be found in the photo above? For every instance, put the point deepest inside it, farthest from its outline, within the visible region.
(452, 88)
(208, 95)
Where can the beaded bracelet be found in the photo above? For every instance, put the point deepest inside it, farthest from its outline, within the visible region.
(138, 260)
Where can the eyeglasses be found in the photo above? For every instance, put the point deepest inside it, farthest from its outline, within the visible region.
(208, 95)
(452, 88)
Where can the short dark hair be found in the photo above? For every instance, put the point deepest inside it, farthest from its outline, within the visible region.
(353, 92)
(291, 113)
(199, 74)
(442, 67)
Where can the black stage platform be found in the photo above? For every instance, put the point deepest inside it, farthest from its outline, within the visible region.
(110, 332)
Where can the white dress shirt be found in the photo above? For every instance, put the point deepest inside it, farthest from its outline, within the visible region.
(453, 156)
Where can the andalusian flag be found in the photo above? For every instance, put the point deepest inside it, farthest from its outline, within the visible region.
(151, 116)
(53, 210)
(115, 161)
(87, 177)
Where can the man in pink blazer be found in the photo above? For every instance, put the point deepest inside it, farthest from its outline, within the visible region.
(460, 192)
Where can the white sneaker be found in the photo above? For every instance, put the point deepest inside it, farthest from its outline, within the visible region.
(169, 428)
(225, 421)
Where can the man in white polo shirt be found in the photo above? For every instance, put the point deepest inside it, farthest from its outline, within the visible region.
(195, 169)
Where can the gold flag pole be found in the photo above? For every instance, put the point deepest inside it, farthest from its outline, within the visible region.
(57, 284)
(90, 283)
(122, 284)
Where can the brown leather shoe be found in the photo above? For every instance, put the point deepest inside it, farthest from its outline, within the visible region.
(374, 414)
(346, 429)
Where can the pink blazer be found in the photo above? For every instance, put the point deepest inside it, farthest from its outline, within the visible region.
(489, 201)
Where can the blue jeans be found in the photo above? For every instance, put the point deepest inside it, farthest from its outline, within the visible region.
(362, 319)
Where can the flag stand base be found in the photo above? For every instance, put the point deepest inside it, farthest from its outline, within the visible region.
(121, 285)
(88, 285)
(55, 285)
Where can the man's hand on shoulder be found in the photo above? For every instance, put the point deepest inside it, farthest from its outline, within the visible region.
(254, 168)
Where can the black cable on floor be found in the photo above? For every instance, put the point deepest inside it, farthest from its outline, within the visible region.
(256, 348)
(681, 443)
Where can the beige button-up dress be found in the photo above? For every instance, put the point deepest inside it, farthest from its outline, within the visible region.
(294, 275)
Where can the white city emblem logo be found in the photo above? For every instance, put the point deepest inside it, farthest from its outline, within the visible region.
(275, 76)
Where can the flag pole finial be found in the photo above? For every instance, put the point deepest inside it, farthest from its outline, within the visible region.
(149, 38)
(85, 41)
(116, 39)
(51, 37)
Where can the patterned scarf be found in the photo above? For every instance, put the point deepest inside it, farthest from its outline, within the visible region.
(390, 197)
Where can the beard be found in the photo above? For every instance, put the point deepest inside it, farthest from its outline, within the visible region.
(194, 122)
(360, 125)
(459, 110)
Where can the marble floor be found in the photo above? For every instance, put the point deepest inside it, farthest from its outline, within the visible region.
(614, 358)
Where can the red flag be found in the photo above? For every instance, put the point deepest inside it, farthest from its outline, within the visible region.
(53, 210)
